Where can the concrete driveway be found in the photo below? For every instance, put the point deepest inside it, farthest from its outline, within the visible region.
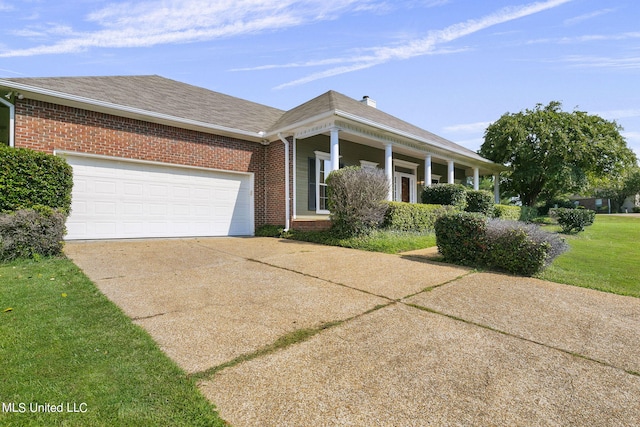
(401, 341)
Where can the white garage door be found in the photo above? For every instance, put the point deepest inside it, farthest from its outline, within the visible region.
(126, 199)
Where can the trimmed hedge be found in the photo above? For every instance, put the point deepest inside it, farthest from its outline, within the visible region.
(480, 201)
(507, 212)
(513, 246)
(445, 194)
(414, 217)
(29, 233)
(573, 219)
(29, 178)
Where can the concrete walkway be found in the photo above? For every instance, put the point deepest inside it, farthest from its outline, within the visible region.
(402, 340)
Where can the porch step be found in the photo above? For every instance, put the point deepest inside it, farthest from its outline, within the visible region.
(311, 224)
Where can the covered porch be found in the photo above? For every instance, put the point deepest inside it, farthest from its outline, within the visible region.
(408, 165)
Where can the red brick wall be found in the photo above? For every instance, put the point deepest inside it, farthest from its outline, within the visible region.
(275, 182)
(47, 127)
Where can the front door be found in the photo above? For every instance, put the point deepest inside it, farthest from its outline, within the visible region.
(406, 185)
(404, 188)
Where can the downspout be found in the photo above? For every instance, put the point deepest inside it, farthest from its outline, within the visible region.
(12, 120)
(286, 182)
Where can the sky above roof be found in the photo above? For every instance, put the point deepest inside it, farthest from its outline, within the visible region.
(448, 66)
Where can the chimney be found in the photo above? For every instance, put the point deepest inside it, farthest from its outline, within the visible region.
(368, 101)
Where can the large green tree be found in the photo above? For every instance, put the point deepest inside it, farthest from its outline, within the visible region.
(551, 152)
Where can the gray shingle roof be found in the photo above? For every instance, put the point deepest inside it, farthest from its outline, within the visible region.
(156, 94)
(161, 95)
(332, 101)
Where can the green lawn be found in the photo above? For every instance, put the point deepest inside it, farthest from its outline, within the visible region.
(387, 241)
(606, 256)
(63, 342)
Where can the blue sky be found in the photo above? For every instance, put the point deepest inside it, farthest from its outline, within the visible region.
(449, 66)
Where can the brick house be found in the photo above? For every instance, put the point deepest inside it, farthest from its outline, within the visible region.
(153, 157)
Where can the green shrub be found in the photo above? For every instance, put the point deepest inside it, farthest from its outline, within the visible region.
(513, 246)
(573, 219)
(269, 230)
(636, 209)
(29, 178)
(528, 213)
(480, 201)
(357, 199)
(414, 217)
(460, 237)
(29, 233)
(507, 212)
(555, 203)
(445, 194)
(520, 248)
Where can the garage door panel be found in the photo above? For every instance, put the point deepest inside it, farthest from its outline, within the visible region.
(122, 199)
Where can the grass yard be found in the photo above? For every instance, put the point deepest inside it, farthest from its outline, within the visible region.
(606, 256)
(387, 241)
(63, 343)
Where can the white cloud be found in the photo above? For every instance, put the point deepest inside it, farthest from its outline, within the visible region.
(587, 16)
(619, 114)
(427, 45)
(584, 61)
(182, 21)
(468, 127)
(587, 38)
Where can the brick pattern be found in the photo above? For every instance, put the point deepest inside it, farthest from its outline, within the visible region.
(47, 127)
(311, 225)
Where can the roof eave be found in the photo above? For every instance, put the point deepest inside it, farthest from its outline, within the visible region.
(47, 95)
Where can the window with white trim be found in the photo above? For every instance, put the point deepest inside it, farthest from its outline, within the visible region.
(323, 166)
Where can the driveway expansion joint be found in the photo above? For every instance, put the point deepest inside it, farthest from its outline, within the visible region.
(529, 340)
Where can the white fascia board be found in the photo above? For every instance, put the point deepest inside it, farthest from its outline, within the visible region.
(47, 95)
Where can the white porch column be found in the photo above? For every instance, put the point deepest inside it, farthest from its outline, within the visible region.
(496, 187)
(451, 172)
(388, 169)
(476, 178)
(335, 149)
(427, 171)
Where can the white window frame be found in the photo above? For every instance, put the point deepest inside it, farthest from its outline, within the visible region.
(322, 159)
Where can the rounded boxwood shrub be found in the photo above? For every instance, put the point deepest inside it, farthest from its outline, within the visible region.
(460, 237)
(357, 199)
(573, 219)
(480, 201)
(445, 194)
(29, 178)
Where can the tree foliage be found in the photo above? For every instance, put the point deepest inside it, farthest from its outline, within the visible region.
(553, 152)
(617, 189)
